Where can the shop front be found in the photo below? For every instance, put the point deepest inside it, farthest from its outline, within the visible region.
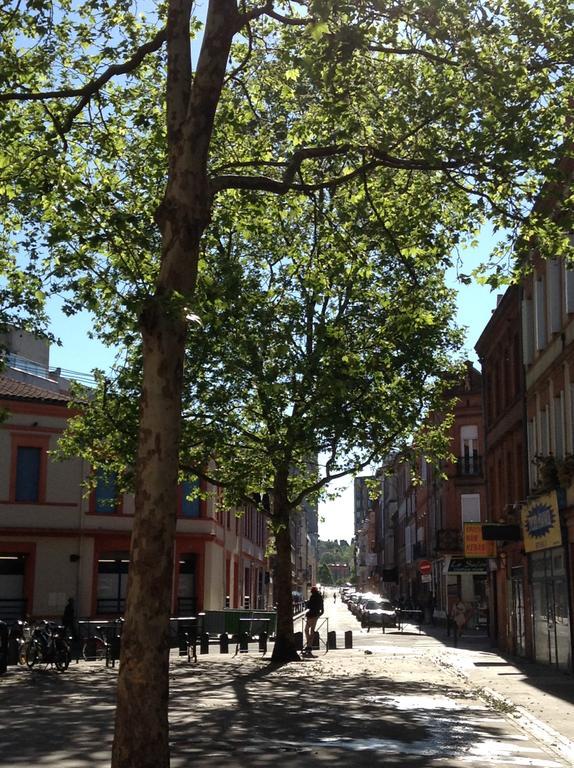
(548, 572)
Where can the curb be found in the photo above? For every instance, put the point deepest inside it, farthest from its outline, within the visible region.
(537, 728)
(540, 730)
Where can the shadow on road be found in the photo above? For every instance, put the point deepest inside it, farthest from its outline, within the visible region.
(249, 713)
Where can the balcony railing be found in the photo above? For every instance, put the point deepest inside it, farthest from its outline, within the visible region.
(469, 466)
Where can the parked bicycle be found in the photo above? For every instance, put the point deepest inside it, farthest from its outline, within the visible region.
(20, 634)
(95, 648)
(48, 645)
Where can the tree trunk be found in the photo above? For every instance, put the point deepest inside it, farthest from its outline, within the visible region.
(141, 738)
(284, 649)
(141, 727)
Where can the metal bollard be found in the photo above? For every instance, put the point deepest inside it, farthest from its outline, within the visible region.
(263, 642)
(224, 643)
(349, 639)
(332, 641)
(298, 637)
(204, 642)
(244, 642)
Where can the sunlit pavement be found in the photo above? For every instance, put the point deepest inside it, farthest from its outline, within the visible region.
(387, 702)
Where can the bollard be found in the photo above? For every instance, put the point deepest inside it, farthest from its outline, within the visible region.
(3, 647)
(316, 644)
(349, 639)
(263, 642)
(204, 642)
(244, 642)
(224, 643)
(298, 638)
(332, 641)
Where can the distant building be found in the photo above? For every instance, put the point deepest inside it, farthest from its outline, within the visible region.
(57, 541)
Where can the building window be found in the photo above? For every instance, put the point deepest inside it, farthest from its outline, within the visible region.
(112, 582)
(540, 314)
(186, 588)
(527, 331)
(105, 493)
(470, 508)
(559, 426)
(28, 467)
(190, 502)
(469, 458)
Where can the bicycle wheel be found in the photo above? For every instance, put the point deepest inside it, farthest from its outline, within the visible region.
(34, 653)
(94, 649)
(62, 655)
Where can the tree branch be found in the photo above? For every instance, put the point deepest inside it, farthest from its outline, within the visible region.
(377, 158)
(267, 10)
(328, 478)
(90, 89)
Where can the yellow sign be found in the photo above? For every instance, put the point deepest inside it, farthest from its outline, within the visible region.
(474, 544)
(541, 523)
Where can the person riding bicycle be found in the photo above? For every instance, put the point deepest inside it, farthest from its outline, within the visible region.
(315, 608)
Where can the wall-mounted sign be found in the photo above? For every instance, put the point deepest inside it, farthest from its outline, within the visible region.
(474, 544)
(541, 523)
(470, 565)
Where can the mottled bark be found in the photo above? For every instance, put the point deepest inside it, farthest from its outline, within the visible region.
(141, 738)
(141, 728)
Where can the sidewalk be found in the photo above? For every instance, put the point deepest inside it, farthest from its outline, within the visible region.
(538, 697)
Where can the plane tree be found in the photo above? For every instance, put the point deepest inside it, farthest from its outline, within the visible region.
(117, 146)
(319, 345)
(322, 344)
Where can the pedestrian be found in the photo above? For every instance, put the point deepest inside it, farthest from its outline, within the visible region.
(334, 597)
(69, 618)
(459, 617)
(315, 608)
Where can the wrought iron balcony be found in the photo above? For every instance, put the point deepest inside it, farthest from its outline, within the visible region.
(469, 465)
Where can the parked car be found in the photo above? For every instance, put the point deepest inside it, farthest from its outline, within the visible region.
(378, 612)
(352, 600)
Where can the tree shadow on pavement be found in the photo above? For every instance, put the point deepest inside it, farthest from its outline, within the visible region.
(249, 712)
(295, 715)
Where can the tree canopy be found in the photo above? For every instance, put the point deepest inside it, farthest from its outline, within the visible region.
(118, 147)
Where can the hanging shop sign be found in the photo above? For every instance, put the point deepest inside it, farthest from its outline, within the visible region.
(541, 523)
(470, 565)
(474, 543)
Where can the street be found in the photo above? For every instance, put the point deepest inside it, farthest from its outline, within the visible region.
(394, 699)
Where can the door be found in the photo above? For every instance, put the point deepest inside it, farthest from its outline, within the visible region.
(517, 610)
(186, 588)
(12, 589)
(551, 615)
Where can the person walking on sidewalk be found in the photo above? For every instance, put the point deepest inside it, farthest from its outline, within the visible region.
(315, 608)
(459, 618)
